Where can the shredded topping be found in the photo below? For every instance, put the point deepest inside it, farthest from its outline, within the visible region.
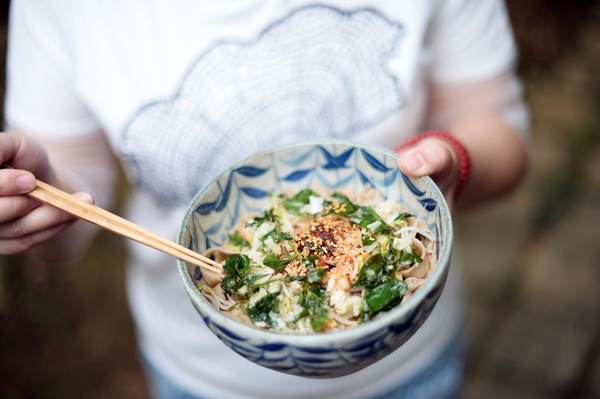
(316, 263)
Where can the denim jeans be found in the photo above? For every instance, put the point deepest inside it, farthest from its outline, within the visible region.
(441, 380)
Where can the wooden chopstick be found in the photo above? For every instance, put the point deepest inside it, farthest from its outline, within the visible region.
(109, 221)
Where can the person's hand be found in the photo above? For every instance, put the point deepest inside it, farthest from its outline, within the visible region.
(436, 158)
(25, 222)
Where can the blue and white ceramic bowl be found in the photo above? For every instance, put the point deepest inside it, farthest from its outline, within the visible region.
(242, 191)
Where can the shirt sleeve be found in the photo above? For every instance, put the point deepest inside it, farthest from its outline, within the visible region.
(470, 41)
(41, 95)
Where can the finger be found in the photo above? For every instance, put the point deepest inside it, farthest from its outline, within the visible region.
(14, 182)
(87, 197)
(42, 217)
(22, 152)
(428, 158)
(432, 158)
(22, 244)
(9, 146)
(15, 207)
(40, 224)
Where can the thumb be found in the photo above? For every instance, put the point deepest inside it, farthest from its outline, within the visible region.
(434, 158)
(430, 157)
(85, 197)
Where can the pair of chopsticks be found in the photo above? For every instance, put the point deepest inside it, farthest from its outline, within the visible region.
(80, 209)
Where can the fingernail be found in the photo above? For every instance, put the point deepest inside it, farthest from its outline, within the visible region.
(412, 160)
(84, 197)
(25, 183)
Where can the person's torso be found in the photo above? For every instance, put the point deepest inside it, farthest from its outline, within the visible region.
(185, 88)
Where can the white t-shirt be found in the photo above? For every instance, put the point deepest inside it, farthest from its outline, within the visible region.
(185, 88)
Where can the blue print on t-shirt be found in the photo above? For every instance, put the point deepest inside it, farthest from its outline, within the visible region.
(319, 72)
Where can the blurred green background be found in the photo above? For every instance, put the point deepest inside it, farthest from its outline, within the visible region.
(532, 259)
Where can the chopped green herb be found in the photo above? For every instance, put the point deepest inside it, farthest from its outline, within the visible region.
(278, 236)
(367, 240)
(371, 273)
(409, 258)
(315, 275)
(310, 261)
(346, 206)
(261, 311)
(364, 216)
(315, 302)
(276, 263)
(237, 267)
(294, 204)
(403, 216)
(265, 216)
(382, 297)
(237, 240)
(367, 218)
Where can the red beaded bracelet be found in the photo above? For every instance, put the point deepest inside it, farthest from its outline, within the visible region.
(461, 151)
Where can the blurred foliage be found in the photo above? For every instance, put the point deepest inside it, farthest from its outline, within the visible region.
(560, 189)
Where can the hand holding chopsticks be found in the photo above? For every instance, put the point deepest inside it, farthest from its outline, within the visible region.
(80, 209)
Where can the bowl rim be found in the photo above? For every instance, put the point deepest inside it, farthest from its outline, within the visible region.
(320, 339)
